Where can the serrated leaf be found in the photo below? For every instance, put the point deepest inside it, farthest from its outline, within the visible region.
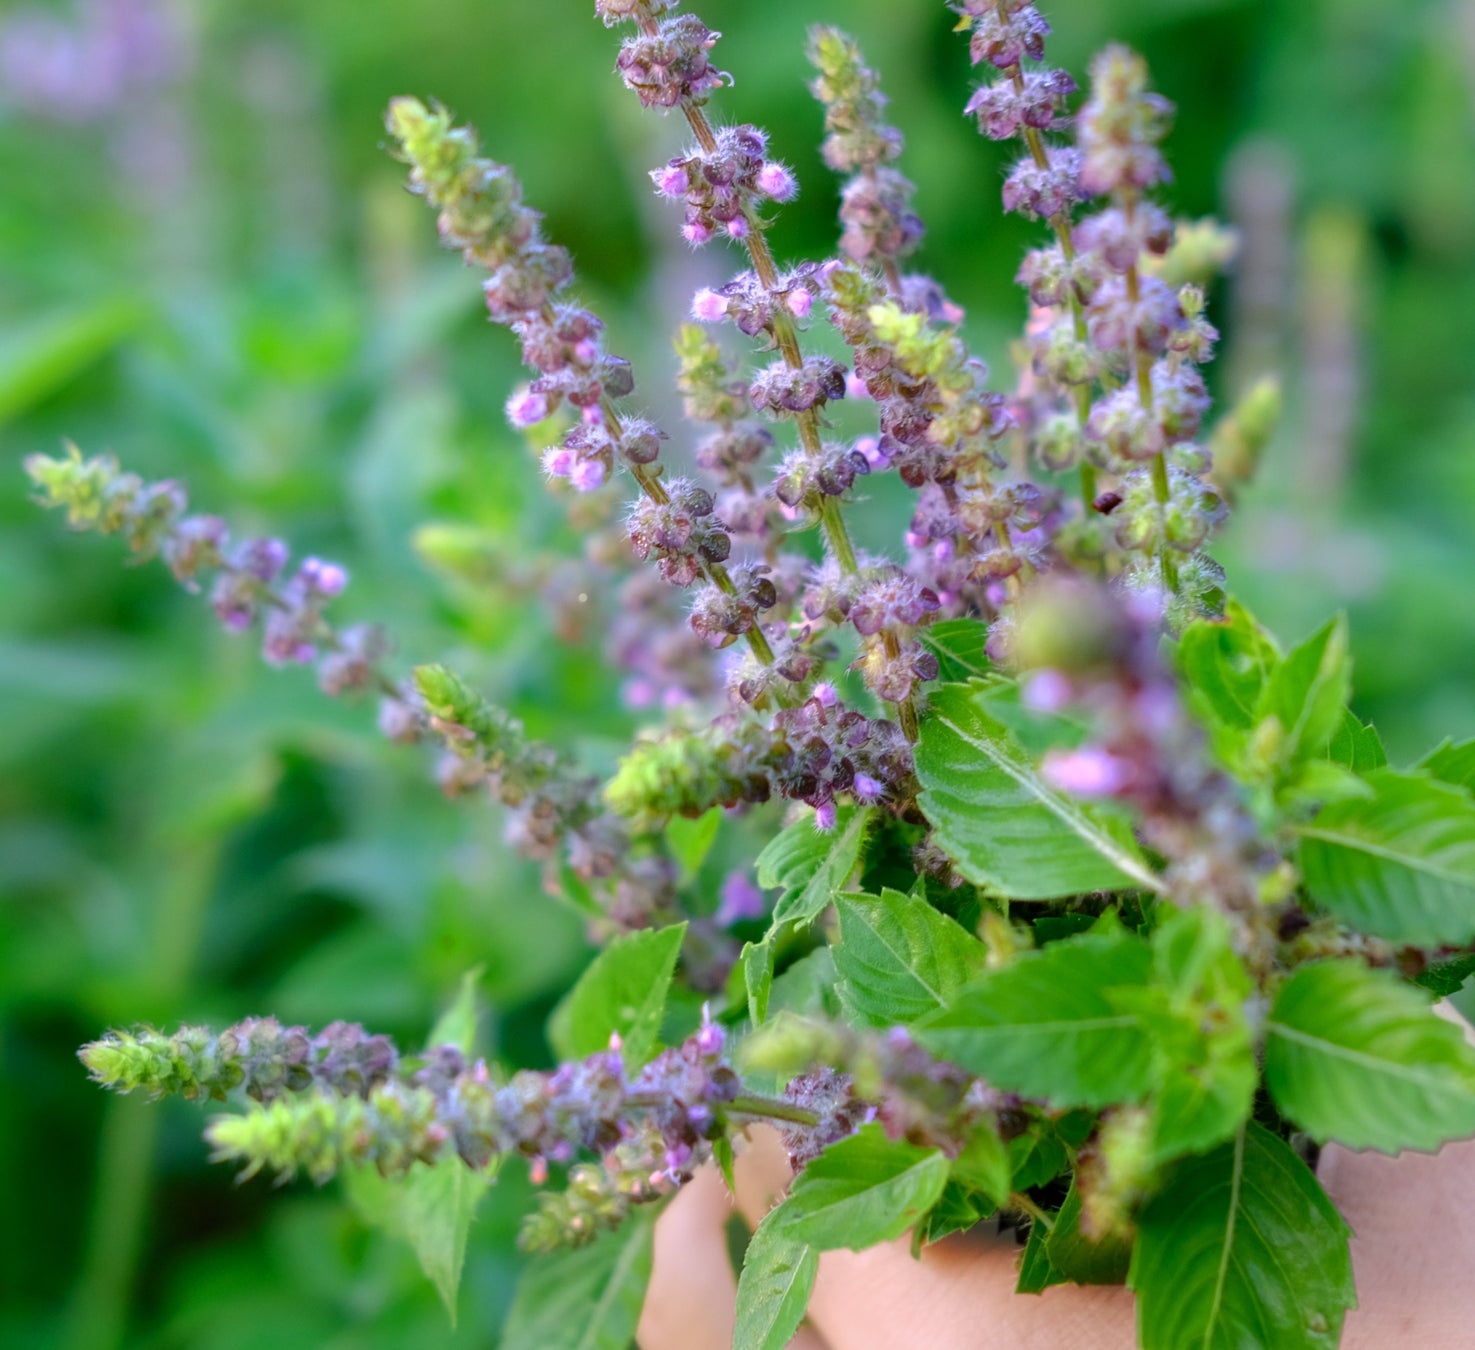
(898, 958)
(960, 648)
(1046, 1025)
(1452, 763)
(984, 1166)
(864, 1190)
(999, 820)
(1447, 977)
(1357, 745)
(757, 962)
(1308, 691)
(624, 991)
(1075, 1257)
(586, 1299)
(1036, 1274)
(1400, 864)
(1356, 1055)
(1242, 1250)
(773, 1289)
(1205, 1053)
(811, 866)
(958, 1209)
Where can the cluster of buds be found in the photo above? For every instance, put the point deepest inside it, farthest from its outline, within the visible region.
(732, 452)
(258, 1055)
(1113, 346)
(811, 753)
(880, 226)
(853, 1077)
(247, 574)
(1099, 652)
(343, 1098)
(723, 186)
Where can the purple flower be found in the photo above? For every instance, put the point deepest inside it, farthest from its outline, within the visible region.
(741, 899)
(708, 306)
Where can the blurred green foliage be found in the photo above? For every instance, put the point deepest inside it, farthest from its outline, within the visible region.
(219, 278)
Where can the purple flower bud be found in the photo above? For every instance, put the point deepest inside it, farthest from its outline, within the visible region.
(1088, 773)
(671, 181)
(799, 303)
(775, 181)
(737, 227)
(867, 789)
(558, 462)
(587, 475)
(825, 695)
(741, 899)
(526, 409)
(708, 306)
(696, 233)
(327, 579)
(824, 817)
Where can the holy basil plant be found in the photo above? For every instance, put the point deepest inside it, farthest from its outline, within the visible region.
(1081, 904)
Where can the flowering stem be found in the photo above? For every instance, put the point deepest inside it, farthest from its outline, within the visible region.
(1036, 1214)
(773, 1108)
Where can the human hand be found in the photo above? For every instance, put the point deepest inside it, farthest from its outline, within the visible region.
(1413, 1251)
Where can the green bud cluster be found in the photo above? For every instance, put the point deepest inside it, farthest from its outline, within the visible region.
(320, 1133)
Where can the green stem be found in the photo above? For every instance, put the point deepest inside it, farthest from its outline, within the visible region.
(771, 1107)
(1038, 1215)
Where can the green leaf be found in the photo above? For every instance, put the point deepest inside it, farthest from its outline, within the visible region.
(959, 646)
(623, 991)
(957, 1210)
(1036, 1274)
(899, 958)
(1075, 1257)
(1447, 977)
(457, 1025)
(1202, 1040)
(586, 1299)
(1358, 1056)
(1400, 864)
(1307, 693)
(432, 1208)
(1242, 1250)
(757, 962)
(864, 1190)
(1357, 745)
(1452, 763)
(691, 840)
(984, 1166)
(1047, 1024)
(812, 866)
(49, 353)
(1226, 665)
(806, 988)
(1004, 826)
(773, 1290)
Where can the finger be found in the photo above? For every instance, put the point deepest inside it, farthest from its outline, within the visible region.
(691, 1301)
(961, 1294)
(1413, 1223)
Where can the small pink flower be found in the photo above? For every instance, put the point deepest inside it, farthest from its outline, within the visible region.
(799, 302)
(866, 788)
(737, 227)
(695, 233)
(825, 694)
(708, 306)
(558, 462)
(1088, 773)
(587, 474)
(775, 181)
(526, 409)
(672, 181)
(824, 817)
